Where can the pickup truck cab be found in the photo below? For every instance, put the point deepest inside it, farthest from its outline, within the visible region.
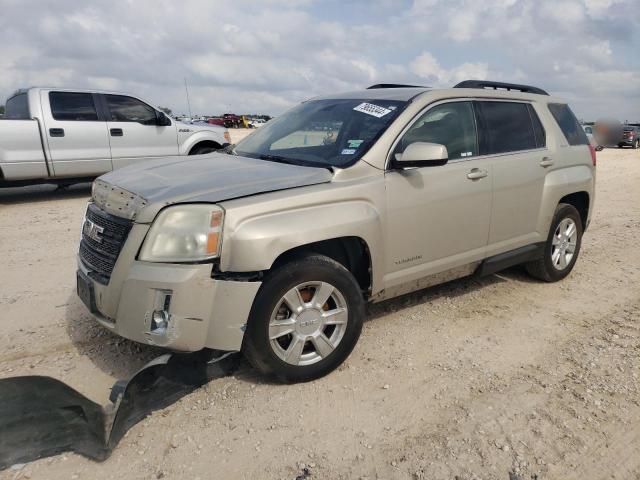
(274, 246)
(51, 135)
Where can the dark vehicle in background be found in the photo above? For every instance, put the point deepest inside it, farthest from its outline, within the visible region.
(630, 137)
(231, 120)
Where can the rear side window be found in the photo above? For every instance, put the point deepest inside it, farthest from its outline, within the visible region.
(538, 129)
(17, 108)
(568, 123)
(507, 127)
(129, 109)
(73, 106)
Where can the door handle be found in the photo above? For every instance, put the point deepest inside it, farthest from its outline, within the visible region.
(546, 162)
(476, 174)
(56, 132)
(116, 132)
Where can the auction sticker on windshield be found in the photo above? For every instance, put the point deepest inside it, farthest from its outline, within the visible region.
(371, 109)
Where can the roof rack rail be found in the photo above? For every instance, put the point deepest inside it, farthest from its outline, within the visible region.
(500, 85)
(393, 85)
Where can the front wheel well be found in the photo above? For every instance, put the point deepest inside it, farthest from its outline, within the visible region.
(580, 200)
(351, 252)
(205, 144)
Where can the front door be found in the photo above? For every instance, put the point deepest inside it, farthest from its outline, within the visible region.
(438, 217)
(76, 136)
(133, 131)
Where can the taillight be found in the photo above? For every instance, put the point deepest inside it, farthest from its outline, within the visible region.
(593, 154)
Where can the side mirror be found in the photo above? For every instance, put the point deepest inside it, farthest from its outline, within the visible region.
(162, 120)
(422, 154)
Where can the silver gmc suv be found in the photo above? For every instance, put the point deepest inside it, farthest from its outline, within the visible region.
(274, 246)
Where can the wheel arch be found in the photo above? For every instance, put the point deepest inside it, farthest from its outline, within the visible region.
(351, 252)
(204, 143)
(580, 201)
(187, 144)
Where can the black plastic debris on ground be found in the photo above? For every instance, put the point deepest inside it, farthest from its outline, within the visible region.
(42, 416)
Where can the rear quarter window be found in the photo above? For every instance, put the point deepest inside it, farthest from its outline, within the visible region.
(568, 123)
(17, 108)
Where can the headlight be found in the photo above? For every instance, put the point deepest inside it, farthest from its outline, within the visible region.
(184, 233)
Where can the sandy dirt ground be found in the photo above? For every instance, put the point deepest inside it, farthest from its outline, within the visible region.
(493, 378)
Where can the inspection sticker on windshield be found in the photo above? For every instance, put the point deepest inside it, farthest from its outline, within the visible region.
(354, 143)
(371, 109)
(348, 151)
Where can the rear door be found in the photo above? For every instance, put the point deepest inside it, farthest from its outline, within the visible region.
(134, 133)
(76, 135)
(514, 139)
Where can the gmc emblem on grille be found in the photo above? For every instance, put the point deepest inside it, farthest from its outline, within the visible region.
(93, 231)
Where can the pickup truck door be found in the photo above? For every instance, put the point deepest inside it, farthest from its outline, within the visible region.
(75, 134)
(133, 131)
(438, 217)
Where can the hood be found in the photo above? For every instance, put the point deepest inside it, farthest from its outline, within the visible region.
(209, 178)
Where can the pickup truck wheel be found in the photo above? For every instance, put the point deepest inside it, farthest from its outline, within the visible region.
(562, 247)
(305, 320)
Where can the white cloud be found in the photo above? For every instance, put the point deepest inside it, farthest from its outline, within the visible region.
(249, 56)
(428, 67)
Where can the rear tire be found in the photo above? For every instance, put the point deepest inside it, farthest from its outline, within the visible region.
(305, 320)
(561, 248)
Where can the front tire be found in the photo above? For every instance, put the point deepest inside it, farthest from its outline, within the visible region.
(636, 144)
(562, 246)
(305, 320)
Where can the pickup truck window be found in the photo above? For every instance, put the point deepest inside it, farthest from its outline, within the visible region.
(508, 127)
(129, 109)
(72, 106)
(17, 108)
(332, 132)
(450, 124)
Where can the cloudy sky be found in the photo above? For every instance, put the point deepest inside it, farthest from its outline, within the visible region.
(265, 55)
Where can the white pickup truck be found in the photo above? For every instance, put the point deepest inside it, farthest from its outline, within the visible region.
(63, 136)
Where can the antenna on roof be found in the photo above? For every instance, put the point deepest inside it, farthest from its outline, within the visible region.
(188, 103)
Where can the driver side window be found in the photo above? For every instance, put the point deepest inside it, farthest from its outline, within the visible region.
(129, 109)
(450, 124)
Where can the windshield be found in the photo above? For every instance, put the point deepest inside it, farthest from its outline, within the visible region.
(334, 132)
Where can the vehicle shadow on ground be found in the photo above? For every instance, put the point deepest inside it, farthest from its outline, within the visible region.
(43, 193)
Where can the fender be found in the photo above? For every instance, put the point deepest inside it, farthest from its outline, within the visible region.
(255, 243)
(186, 144)
(559, 183)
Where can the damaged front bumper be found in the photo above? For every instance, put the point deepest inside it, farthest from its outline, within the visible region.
(175, 306)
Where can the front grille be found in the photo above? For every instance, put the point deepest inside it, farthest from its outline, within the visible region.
(100, 256)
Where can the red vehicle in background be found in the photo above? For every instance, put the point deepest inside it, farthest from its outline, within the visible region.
(216, 121)
(231, 120)
(228, 120)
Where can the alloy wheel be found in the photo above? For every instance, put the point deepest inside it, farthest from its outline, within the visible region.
(308, 323)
